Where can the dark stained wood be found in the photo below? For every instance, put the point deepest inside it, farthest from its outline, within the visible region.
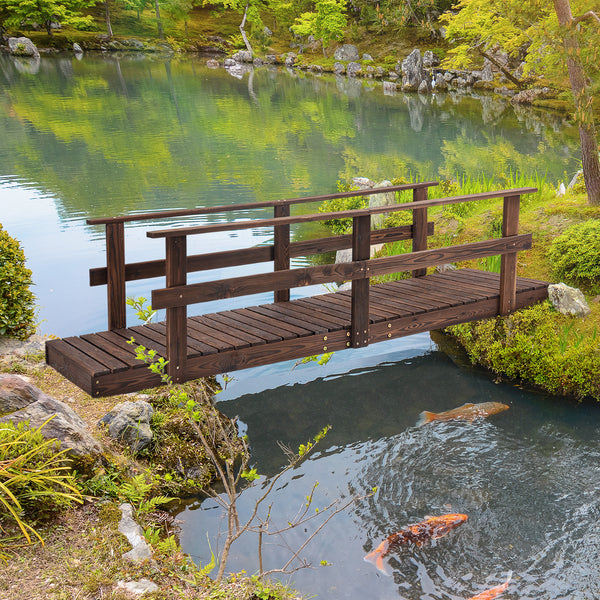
(281, 248)
(115, 275)
(207, 210)
(508, 262)
(247, 256)
(290, 317)
(419, 227)
(176, 253)
(361, 249)
(252, 224)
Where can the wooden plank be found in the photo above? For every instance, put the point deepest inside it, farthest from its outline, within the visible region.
(287, 330)
(98, 354)
(396, 296)
(115, 274)
(286, 313)
(176, 273)
(127, 356)
(508, 262)
(251, 334)
(251, 325)
(73, 365)
(419, 228)
(194, 346)
(225, 339)
(263, 323)
(206, 210)
(114, 339)
(138, 333)
(361, 249)
(124, 382)
(311, 317)
(281, 248)
(319, 311)
(252, 224)
(264, 282)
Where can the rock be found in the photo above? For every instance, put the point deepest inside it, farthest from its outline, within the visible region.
(577, 178)
(430, 60)
(34, 344)
(562, 190)
(530, 95)
(367, 57)
(380, 71)
(412, 71)
(130, 423)
(393, 76)
(363, 183)
(487, 73)
(424, 87)
(22, 46)
(16, 393)
(353, 69)
(377, 200)
(290, 59)
(137, 588)
(229, 62)
(135, 536)
(133, 44)
(568, 300)
(271, 59)
(267, 32)
(65, 425)
(77, 48)
(440, 83)
(211, 63)
(370, 71)
(347, 52)
(243, 56)
(339, 68)
(258, 62)
(389, 88)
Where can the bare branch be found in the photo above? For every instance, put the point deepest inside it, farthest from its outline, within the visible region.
(588, 15)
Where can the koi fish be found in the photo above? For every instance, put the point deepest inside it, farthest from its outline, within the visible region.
(430, 528)
(468, 412)
(496, 591)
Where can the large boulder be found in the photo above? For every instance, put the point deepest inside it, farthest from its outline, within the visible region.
(568, 300)
(378, 200)
(413, 72)
(243, 56)
(129, 422)
(62, 422)
(22, 46)
(353, 69)
(346, 53)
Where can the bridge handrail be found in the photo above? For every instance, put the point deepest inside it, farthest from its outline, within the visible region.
(208, 210)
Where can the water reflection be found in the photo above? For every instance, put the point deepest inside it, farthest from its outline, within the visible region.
(528, 479)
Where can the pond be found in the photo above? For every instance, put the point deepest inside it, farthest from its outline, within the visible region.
(109, 135)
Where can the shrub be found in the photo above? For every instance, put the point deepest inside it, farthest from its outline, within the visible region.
(574, 255)
(341, 226)
(16, 300)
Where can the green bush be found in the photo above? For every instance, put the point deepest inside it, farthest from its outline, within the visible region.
(341, 226)
(17, 315)
(35, 480)
(538, 345)
(574, 255)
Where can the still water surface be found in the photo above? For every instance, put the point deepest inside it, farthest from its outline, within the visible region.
(106, 136)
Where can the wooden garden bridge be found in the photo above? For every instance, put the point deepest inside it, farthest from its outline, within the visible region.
(104, 363)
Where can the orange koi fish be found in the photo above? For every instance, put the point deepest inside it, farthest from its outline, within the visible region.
(468, 412)
(490, 594)
(430, 528)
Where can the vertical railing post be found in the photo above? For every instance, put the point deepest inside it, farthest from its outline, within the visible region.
(361, 250)
(176, 274)
(419, 227)
(508, 262)
(115, 273)
(281, 248)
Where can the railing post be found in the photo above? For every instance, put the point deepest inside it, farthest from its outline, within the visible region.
(419, 227)
(281, 248)
(361, 250)
(115, 274)
(508, 262)
(176, 257)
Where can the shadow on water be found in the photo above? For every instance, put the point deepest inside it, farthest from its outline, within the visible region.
(528, 479)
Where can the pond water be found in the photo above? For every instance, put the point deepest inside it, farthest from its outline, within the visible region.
(110, 135)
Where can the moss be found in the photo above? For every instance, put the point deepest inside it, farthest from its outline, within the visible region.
(109, 515)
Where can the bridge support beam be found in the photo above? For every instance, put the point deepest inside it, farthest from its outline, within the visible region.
(361, 250)
(508, 262)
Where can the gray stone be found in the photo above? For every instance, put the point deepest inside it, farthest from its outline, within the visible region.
(424, 87)
(487, 73)
(77, 48)
(211, 63)
(430, 59)
(130, 423)
(290, 59)
(380, 71)
(271, 59)
(346, 52)
(229, 62)
(577, 178)
(137, 588)
(413, 72)
(242, 56)
(140, 550)
(34, 344)
(64, 424)
(367, 57)
(363, 183)
(393, 76)
(439, 83)
(16, 393)
(370, 71)
(339, 68)
(267, 32)
(22, 46)
(568, 300)
(389, 88)
(353, 69)
(258, 62)
(377, 200)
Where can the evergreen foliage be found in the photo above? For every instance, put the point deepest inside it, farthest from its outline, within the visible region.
(16, 300)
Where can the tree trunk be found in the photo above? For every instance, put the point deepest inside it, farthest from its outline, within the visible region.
(583, 102)
(243, 31)
(48, 25)
(107, 14)
(161, 33)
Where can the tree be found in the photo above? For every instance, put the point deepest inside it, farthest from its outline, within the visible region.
(46, 12)
(546, 38)
(327, 23)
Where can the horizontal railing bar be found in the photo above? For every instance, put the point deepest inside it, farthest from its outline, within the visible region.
(266, 282)
(246, 256)
(207, 210)
(251, 224)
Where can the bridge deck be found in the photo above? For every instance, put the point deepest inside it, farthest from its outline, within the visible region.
(104, 363)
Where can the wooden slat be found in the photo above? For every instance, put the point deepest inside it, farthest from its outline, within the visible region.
(319, 311)
(251, 334)
(115, 269)
(176, 274)
(98, 354)
(393, 294)
(194, 346)
(226, 339)
(125, 355)
(419, 228)
(287, 314)
(254, 326)
(361, 249)
(269, 320)
(281, 249)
